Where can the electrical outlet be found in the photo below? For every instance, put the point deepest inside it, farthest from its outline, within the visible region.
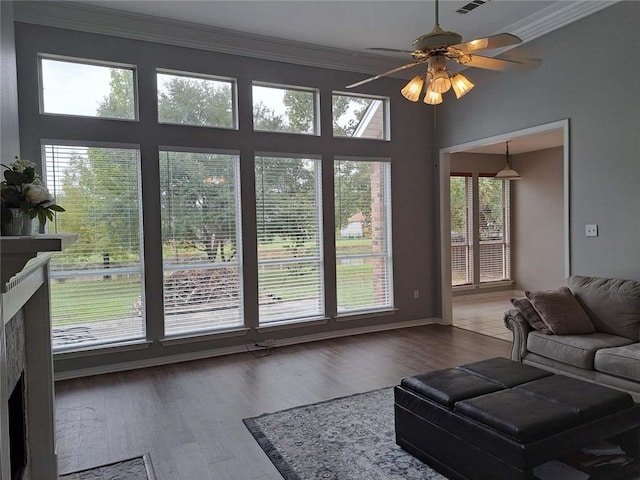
(591, 230)
(416, 294)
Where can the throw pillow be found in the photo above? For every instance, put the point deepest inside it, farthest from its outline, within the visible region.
(530, 315)
(561, 312)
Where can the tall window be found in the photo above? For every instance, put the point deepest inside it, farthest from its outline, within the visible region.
(480, 237)
(290, 258)
(363, 234)
(495, 245)
(461, 229)
(96, 284)
(200, 241)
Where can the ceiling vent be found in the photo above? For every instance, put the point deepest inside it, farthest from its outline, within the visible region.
(471, 6)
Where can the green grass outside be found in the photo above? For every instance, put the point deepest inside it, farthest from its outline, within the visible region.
(115, 298)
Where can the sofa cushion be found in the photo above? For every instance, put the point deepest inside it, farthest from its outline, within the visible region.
(620, 361)
(577, 350)
(612, 304)
(530, 315)
(561, 312)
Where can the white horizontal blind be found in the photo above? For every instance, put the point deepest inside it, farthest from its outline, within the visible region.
(288, 211)
(495, 245)
(461, 230)
(363, 238)
(200, 241)
(96, 284)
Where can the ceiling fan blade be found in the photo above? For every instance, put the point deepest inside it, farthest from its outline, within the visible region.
(488, 43)
(394, 70)
(496, 63)
(395, 50)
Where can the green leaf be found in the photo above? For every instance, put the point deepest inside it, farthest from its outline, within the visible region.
(15, 178)
(57, 208)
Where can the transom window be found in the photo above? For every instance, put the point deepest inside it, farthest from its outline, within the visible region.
(87, 88)
(195, 99)
(285, 109)
(359, 116)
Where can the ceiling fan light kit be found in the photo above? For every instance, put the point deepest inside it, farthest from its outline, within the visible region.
(433, 49)
(413, 89)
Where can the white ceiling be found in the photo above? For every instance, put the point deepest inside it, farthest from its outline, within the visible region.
(524, 144)
(352, 25)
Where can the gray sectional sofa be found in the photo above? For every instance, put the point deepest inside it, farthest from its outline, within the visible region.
(608, 356)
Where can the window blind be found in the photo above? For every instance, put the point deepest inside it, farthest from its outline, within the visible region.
(200, 241)
(461, 191)
(96, 284)
(363, 245)
(494, 235)
(290, 257)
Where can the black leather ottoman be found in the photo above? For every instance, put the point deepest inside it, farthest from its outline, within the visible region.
(498, 419)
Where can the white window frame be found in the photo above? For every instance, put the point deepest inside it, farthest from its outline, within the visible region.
(316, 109)
(116, 340)
(320, 259)
(386, 114)
(202, 76)
(239, 255)
(388, 224)
(90, 62)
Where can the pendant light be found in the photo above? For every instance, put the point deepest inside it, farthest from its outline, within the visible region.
(508, 173)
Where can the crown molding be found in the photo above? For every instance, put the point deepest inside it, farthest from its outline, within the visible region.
(106, 21)
(555, 16)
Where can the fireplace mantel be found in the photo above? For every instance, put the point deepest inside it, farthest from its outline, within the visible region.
(24, 271)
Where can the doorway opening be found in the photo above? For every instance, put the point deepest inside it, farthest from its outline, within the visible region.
(534, 242)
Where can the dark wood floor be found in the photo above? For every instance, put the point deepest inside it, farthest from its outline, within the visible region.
(188, 416)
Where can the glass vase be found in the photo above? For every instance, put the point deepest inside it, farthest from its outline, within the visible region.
(16, 222)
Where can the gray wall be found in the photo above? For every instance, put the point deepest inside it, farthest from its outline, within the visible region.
(409, 150)
(10, 140)
(537, 224)
(590, 75)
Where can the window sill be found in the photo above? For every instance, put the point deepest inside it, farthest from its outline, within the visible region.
(204, 336)
(101, 349)
(288, 324)
(349, 316)
(503, 283)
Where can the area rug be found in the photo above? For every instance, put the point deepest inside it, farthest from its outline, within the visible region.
(137, 468)
(348, 438)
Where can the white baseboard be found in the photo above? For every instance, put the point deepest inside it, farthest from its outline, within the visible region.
(217, 352)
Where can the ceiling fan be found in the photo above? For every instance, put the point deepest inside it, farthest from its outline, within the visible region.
(433, 49)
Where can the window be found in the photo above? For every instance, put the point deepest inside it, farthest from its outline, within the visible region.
(96, 284)
(363, 234)
(90, 89)
(285, 109)
(495, 246)
(193, 99)
(290, 262)
(359, 116)
(461, 229)
(200, 241)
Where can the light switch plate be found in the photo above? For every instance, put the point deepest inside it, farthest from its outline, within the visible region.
(591, 230)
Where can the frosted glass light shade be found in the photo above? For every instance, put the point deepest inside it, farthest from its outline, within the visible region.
(432, 97)
(412, 90)
(461, 85)
(440, 82)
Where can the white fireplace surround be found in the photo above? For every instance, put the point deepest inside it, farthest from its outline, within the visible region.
(24, 284)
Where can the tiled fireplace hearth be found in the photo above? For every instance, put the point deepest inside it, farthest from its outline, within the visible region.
(27, 427)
